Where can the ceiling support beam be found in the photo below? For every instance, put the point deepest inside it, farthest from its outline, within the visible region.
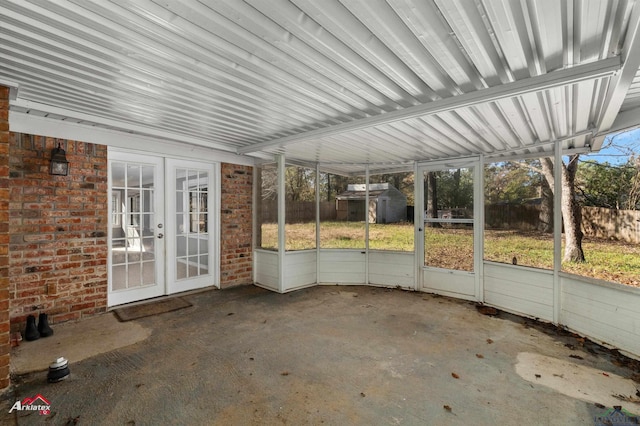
(621, 82)
(32, 124)
(626, 120)
(122, 126)
(594, 70)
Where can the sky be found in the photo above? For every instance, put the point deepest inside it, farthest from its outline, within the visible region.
(617, 151)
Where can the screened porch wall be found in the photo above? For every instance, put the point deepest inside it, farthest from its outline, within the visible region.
(605, 312)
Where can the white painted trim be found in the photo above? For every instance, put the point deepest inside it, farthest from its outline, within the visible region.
(31, 124)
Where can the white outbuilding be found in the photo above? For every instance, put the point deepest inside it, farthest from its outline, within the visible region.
(386, 203)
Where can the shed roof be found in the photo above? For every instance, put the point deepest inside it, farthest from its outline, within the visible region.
(358, 191)
(342, 83)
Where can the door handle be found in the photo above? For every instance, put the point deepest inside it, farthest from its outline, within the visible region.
(160, 235)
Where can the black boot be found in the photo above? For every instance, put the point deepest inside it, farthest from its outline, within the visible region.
(31, 332)
(43, 326)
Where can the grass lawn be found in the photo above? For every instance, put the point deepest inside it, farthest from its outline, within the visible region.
(453, 248)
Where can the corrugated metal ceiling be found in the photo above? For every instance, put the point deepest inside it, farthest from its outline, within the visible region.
(340, 83)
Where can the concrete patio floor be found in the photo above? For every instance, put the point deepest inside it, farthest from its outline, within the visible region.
(325, 355)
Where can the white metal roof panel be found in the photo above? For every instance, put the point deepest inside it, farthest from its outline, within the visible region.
(318, 80)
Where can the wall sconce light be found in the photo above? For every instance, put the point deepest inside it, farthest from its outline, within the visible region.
(59, 163)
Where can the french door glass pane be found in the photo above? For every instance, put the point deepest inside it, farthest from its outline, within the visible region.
(133, 245)
(192, 223)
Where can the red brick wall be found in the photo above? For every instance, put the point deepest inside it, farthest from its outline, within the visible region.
(236, 259)
(4, 237)
(58, 228)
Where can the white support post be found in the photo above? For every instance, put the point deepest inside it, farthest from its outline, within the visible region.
(254, 219)
(418, 225)
(478, 229)
(366, 225)
(281, 223)
(557, 231)
(317, 223)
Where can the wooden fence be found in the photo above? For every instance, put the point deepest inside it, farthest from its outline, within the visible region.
(299, 212)
(622, 225)
(598, 222)
(523, 217)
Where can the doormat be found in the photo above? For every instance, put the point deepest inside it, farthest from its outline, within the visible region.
(128, 313)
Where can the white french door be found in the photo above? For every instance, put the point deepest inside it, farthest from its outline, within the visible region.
(192, 240)
(136, 243)
(149, 257)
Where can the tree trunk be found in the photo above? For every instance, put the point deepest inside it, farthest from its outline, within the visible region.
(571, 213)
(545, 217)
(431, 194)
(571, 209)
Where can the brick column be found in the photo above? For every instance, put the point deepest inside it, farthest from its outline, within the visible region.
(236, 264)
(4, 238)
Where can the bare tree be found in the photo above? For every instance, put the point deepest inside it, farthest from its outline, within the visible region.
(633, 201)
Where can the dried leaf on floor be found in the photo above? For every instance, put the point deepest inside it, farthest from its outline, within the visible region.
(626, 398)
(489, 341)
(455, 376)
(487, 310)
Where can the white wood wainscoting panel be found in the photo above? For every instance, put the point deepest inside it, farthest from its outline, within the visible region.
(449, 283)
(520, 290)
(389, 268)
(341, 266)
(266, 269)
(605, 312)
(300, 269)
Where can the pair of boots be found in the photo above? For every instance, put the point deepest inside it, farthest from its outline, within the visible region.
(42, 330)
